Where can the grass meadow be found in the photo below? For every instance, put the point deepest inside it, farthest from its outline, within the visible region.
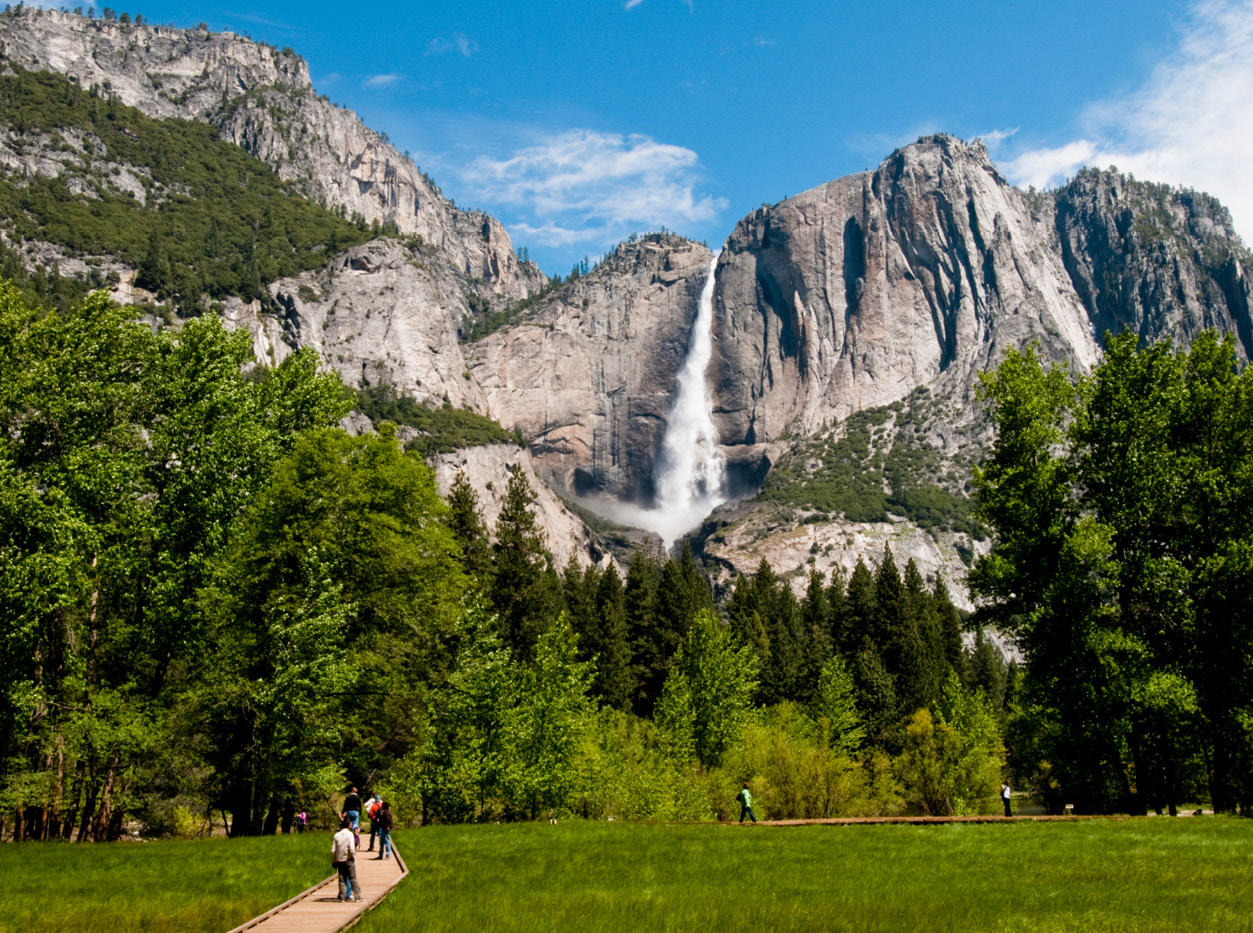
(1107, 875)
(185, 886)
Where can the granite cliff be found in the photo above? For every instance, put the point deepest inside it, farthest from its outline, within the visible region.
(261, 99)
(850, 322)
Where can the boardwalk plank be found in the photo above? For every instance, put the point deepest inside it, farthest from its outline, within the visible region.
(316, 910)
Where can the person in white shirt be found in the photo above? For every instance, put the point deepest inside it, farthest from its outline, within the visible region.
(1005, 797)
(343, 857)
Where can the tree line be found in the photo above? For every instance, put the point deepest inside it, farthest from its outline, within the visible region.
(219, 606)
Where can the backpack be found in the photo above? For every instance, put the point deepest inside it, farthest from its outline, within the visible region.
(373, 810)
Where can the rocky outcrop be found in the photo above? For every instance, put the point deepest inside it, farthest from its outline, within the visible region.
(853, 294)
(1163, 262)
(588, 374)
(487, 469)
(261, 98)
(383, 312)
(794, 549)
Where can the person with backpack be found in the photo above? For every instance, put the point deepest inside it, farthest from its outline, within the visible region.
(746, 804)
(344, 861)
(385, 823)
(372, 811)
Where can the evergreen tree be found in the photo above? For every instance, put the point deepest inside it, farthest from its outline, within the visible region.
(614, 676)
(816, 624)
(466, 522)
(837, 603)
(950, 628)
(860, 610)
(889, 621)
(648, 653)
(579, 586)
(526, 591)
(988, 670)
(924, 667)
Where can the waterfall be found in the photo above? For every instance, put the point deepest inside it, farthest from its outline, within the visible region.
(689, 475)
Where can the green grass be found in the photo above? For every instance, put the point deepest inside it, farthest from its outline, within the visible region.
(210, 885)
(1142, 875)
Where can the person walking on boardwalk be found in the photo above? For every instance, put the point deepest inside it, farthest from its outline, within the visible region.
(372, 811)
(344, 859)
(352, 813)
(1005, 792)
(385, 822)
(746, 804)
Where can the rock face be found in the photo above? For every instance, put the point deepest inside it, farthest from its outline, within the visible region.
(262, 99)
(853, 294)
(1153, 259)
(381, 312)
(589, 373)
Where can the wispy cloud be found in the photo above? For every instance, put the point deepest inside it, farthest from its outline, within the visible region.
(994, 138)
(381, 80)
(1190, 123)
(455, 43)
(583, 186)
(632, 4)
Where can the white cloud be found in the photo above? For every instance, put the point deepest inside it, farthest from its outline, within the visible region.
(994, 138)
(1190, 124)
(631, 4)
(456, 43)
(591, 187)
(381, 80)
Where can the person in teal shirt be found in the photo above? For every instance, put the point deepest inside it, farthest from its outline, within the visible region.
(746, 804)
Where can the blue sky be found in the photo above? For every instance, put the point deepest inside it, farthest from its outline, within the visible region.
(577, 122)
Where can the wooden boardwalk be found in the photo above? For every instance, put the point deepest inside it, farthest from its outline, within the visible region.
(317, 910)
(927, 820)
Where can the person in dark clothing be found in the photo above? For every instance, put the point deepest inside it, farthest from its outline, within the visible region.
(1005, 792)
(352, 813)
(385, 822)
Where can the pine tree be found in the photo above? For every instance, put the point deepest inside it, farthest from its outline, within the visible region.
(950, 628)
(579, 586)
(816, 624)
(526, 592)
(782, 668)
(466, 523)
(924, 667)
(988, 670)
(648, 655)
(860, 610)
(614, 677)
(837, 602)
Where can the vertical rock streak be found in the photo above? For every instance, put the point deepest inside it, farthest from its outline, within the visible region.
(691, 472)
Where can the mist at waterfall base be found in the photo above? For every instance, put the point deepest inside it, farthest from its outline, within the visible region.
(690, 475)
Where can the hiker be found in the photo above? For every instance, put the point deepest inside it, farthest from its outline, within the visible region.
(746, 804)
(352, 812)
(302, 819)
(372, 811)
(1005, 797)
(344, 860)
(385, 822)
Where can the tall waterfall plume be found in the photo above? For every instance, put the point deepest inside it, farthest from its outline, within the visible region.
(689, 475)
